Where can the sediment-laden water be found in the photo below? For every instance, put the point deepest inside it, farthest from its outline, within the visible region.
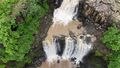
(76, 44)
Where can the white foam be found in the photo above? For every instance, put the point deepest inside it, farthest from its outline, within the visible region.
(66, 12)
(50, 50)
(72, 49)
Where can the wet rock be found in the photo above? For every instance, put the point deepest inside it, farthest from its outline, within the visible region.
(55, 3)
(92, 61)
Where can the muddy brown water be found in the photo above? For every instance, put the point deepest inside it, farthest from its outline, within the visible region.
(54, 64)
(60, 29)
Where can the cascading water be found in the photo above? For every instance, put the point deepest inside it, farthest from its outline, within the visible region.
(77, 49)
(50, 50)
(74, 48)
(66, 12)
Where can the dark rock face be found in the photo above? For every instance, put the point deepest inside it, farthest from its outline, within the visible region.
(55, 3)
(91, 61)
(60, 45)
(89, 14)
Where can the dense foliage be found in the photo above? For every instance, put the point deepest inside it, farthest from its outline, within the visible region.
(16, 37)
(112, 40)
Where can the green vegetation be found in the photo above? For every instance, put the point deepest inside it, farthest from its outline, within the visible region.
(112, 40)
(17, 35)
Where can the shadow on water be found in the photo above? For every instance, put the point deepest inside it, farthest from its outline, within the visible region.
(92, 61)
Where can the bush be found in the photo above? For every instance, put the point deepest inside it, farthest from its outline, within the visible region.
(17, 43)
(112, 40)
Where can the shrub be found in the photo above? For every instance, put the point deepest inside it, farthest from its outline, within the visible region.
(17, 43)
(112, 40)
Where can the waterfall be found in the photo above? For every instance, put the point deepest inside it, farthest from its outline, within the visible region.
(73, 49)
(76, 49)
(50, 50)
(66, 12)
